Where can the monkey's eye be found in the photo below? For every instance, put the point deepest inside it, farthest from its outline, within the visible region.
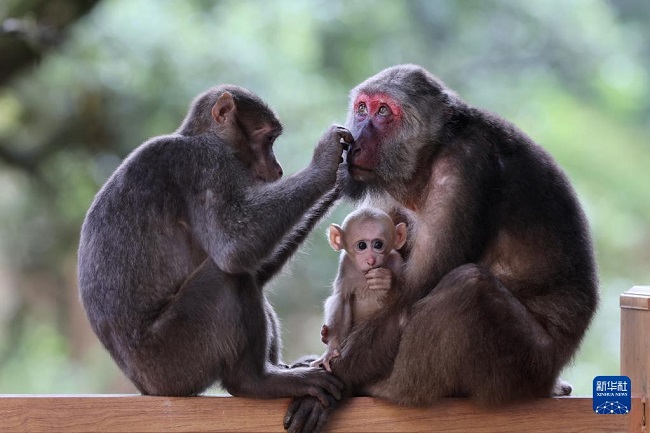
(362, 245)
(383, 110)
(362, 109)
(377, 244)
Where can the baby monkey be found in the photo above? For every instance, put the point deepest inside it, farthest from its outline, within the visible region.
(368, 240)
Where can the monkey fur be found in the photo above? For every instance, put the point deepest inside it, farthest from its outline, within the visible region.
(179, 242)
(368, 240)
(499, 283)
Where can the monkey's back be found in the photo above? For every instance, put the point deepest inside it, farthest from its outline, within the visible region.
(137, 246)
(540, 245)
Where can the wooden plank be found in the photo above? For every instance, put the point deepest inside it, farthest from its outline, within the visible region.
(638, 298)
(126, 413)
(120, 413)
(635, 349)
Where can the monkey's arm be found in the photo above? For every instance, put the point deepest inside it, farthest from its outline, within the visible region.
(338, 308)
(338, 320)
(450, 233)
(271, 266)
(260, 215)
(297, 236)
(450, 227)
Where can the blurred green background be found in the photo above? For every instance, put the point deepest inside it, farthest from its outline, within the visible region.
(84, 82)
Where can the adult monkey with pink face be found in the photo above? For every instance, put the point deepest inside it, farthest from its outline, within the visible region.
(499, 284)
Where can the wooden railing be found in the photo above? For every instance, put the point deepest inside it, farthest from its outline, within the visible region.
(126, 413)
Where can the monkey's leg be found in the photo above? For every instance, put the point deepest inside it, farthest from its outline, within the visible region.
(471, 337)
(253, 375)
(216, 327)
(275, 340)
(193, 336)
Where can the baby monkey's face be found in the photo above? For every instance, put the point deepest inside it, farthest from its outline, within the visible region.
(369, 244)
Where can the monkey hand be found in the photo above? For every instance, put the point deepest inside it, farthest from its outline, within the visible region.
(341, 175)
(310, 381)
(329, 150)
(379, 279)
(307, 415)
(324, 360)
(318, 363)
(303, 361)
(329, 355)
(325, 334)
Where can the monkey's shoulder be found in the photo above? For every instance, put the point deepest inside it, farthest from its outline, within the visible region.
(178, 152)
(175, 164)
(482, 129)
(504, 152)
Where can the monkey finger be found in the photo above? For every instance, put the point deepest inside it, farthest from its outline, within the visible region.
(333, 386)
(345, 134)
(320, 423)
(322, 384)
(379, 287)
(320, 394)
(312, 419)
(301, 414)
(378, 273)
(291, 418)
(379, 280)
(318, 418)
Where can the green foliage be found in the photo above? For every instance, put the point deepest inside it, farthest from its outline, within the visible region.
(573, 74)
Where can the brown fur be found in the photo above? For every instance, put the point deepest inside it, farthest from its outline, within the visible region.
(177, 246)
(500, 282)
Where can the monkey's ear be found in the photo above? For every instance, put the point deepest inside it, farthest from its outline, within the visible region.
(400, 235)
(223, 108)
(336, 237)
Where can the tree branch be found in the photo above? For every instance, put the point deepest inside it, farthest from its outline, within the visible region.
(32, 28)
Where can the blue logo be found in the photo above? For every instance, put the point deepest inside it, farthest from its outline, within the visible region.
(612, 395)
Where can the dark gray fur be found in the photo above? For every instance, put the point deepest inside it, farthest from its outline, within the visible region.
(500, 282)
(178, 244)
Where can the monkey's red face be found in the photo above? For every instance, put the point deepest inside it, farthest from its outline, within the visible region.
(376, 117)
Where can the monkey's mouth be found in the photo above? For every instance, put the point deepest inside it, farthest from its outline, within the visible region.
(360, 173)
